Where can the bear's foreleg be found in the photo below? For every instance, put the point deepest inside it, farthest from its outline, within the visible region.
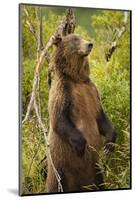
(63, 125)
(106, 129)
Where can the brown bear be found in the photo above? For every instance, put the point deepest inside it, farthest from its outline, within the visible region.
(77, 119)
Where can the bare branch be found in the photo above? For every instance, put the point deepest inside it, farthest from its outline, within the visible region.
(45, 131)
(118, 33)
(69, 23)
(31, 100)
(29, 23)
(39, 37)
(62, 28)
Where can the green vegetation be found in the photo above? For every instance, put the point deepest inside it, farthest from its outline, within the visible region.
(112, 79)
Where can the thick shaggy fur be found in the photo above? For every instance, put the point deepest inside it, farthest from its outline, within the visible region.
(77, 119)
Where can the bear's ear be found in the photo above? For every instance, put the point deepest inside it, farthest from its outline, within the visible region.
(57, 40)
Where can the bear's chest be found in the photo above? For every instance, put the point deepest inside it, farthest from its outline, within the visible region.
(85, 108)
(85, 101)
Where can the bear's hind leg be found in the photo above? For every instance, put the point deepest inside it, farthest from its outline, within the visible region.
(52, 184)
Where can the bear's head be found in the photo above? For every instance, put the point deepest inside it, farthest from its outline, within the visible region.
(70, 58)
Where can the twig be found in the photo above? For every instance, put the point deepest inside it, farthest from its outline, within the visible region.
(29, 23)
(39, 37)
(31, 99)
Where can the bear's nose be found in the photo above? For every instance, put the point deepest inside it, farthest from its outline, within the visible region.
(90, 45)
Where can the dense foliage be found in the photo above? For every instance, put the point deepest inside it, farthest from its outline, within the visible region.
(112, 79)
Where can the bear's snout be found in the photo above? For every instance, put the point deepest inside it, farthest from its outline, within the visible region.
(87, 48)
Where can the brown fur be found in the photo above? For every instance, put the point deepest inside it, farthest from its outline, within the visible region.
(73, 69)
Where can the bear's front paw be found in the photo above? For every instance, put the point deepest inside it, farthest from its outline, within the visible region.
(108, 148)
(78, 143)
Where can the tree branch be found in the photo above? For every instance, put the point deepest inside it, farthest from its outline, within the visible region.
(29, 23)
(66, 26)
(118, 34)
(45, 131)
(39, 37)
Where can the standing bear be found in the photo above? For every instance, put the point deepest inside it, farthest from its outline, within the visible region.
(77, 119)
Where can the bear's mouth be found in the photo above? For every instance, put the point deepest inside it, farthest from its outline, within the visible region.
(86, 53)
(86, 50)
